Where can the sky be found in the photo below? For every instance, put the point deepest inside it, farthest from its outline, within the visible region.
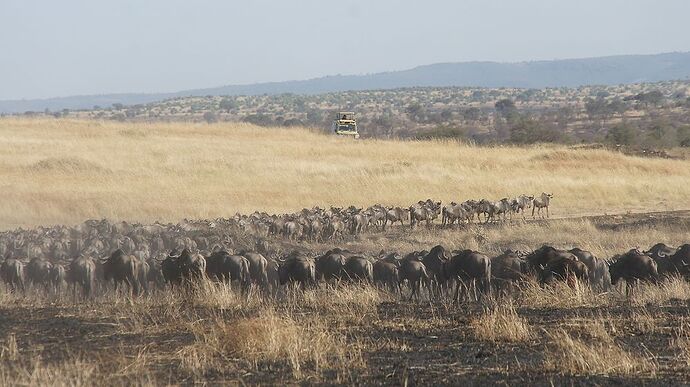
(54, 48)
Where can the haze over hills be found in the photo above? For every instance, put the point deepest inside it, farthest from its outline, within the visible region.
(612, 70)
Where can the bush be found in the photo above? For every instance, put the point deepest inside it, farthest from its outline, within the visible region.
(530, 131)
(623, 134)
(210, 117)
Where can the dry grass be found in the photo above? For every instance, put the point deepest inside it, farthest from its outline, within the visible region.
(70, 373)
(572, 356)
(560, 295)
(9, 350)
(674, 288)
(65, 171)
(307, 346)
(501, 323)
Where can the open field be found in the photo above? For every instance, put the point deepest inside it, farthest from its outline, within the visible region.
(66, 171)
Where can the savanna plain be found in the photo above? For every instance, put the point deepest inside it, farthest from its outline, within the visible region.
(63, 172)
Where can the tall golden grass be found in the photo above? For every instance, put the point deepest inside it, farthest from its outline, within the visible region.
(65, 171)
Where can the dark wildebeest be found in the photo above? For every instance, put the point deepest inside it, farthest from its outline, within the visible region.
(539, 258)
(681, 258)
(123, 268)
(12, 273)
(632, 267)
(330, 265)
(227, 268)
(467, 268)
(191, 266)
(565, 269)
(170, 270)
(414, 271)
(58, 276)
(508, 269)
(258, 265)
(82, 271)
(386, 274)
(433, 262)
(358, 269)
(155, 273)
(38, 272)
(298, 269)
(661, 254)
(598, 269)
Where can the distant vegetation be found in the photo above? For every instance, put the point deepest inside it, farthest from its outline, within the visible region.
(611, 70)
(646, 115)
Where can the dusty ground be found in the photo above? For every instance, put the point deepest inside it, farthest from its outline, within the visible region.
(388, 341)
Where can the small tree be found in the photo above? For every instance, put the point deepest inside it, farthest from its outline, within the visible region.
(210, 117)
(227, 104)
(623, 134)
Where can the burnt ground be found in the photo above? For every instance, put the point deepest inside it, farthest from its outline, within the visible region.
(405, 343)
(402, 342)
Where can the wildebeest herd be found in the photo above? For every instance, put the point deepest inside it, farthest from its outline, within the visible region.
(317, 224)
(143, 258)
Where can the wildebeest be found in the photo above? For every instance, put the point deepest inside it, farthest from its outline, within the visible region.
(507, 269)
(414, 271)
(434, 261)
(539, 258)
(12, 273)
(386, 275)
(258, 265)
(540, 203)
(297, 268)
(58, 276)
(329, 266)
(468, 267)
(358, 269)
(396, 214)
(38, 272)
(227, 268)
(123, 268)
(565, 269)
(598, 269)
(521, 203)
(681, 258)
(424, 211)
(82, 272)
(633, 266)
(661, 254)
(191, 266)
(454, 212)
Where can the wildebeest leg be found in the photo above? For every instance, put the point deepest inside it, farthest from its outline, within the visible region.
(547, 211)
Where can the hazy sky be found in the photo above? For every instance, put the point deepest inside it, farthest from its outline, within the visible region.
(58, 48)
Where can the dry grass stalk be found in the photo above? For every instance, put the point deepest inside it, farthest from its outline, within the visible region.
(9, 351)
(72, 373)
(569, 355)
(501, 323)
(303, 346)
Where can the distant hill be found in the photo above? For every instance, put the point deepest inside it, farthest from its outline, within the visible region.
(612, 70)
